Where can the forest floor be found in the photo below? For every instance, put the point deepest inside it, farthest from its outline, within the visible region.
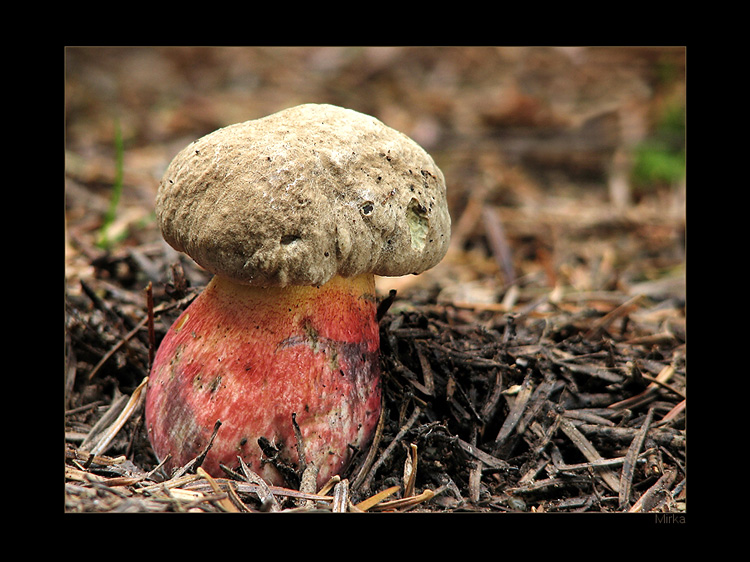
(541, 367)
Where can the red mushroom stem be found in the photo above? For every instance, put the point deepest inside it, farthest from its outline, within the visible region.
(255, 357)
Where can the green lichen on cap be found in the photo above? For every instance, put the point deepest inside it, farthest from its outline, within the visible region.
(419, 224)
(304, 194)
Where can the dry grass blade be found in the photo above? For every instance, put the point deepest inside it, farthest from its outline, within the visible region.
(607, 319)
(375, 499)
(364, 470)
(660, 381)
(376, 503)
(410, 471)
(341, 497)
(404, 503)
(225, 503)
(246, 488)
(78, 475)
(267, 499)
(235, 499)
(103, 440)
(116, 347)
(76, 455)
(674, 412)
(592, 464)
(177, 482)
(391, 447)
(191, 497)
(328, 486)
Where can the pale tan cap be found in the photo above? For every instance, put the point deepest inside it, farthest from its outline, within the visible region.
(302, 195)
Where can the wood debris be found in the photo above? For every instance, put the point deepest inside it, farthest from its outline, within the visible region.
(540, 367)
(504, 414)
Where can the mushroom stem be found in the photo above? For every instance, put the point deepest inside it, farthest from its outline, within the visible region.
(256, 357)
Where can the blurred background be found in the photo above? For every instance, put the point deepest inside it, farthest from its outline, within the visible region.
(565, 166)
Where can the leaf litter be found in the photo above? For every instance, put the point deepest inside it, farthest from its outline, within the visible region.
(565, 401)
(541, 367)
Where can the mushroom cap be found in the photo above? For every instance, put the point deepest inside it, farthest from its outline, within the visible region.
(302, 195)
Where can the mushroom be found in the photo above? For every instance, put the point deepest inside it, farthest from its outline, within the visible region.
(293, 214)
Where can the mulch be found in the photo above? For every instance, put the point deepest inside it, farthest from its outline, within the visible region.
(564, 403)
(541, 367)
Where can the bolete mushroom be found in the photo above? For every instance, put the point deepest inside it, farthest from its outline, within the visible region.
(293, 214)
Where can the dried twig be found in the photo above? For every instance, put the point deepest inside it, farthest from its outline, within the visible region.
(516, 411)
(308, 483)
(628, 468)
(656, 495)
(588, 450)
(195, 463)
(265, 495)
(103, 440)
(649, 393)
(116, 347)
(150, 323)
(391, 447)
(501, 250)
(485, 458)
(366, 467)
(139, 326)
